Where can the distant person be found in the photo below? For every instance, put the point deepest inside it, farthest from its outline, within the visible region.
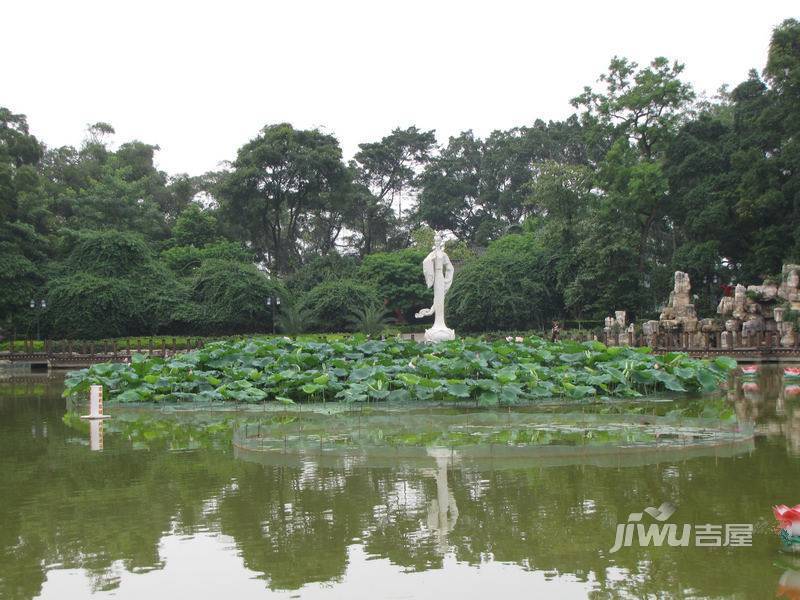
(555, 331)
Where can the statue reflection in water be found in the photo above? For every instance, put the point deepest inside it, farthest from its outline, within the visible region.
(442, 511)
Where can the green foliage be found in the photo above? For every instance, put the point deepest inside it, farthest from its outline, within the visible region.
(182, 260)
(229, 297)
(384, 170)
(21, 259)
(196, 227)
(330, 303)
(85, 305)
(279, 369)
(399, 280)
(109, 285)
(792, 316)
(478, 188)
(371, 319)
(320, 269)
(641, 181)
(292, 319)
(286, 185)
(507, 288)
(753, 295)
(22, 247)
(95, 188)
(106, 253)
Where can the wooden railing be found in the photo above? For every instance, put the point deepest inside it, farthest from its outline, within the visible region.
(67, 353)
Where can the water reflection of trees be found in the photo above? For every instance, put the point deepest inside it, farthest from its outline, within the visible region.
(63, 505)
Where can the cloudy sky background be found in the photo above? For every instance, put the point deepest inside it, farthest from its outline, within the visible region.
(201, 78)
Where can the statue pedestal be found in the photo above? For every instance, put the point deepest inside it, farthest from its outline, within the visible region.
(439, 334)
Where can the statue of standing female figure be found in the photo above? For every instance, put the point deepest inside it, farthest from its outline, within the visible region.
(438, 274)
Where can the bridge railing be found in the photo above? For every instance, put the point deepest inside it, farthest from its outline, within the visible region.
(97, 350)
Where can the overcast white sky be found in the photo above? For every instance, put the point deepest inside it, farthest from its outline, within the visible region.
(201, 78)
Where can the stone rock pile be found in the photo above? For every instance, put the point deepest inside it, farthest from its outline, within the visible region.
(764, 308)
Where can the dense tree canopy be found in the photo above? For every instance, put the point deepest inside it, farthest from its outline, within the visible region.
(287, 188)
(580, 216)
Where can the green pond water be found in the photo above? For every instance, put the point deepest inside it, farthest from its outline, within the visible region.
(394, 501)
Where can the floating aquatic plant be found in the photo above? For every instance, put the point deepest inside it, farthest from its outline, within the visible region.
(359, 370)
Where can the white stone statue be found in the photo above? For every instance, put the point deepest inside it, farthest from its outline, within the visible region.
(438, 274)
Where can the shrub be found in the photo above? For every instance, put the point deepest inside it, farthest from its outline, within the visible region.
(110, 285)
(229, 297)
(182, 260)
(372, 319)
(398, 278)
(331, 302)
(293, 320)
(107, 253)
(88, 306)
(509, 288)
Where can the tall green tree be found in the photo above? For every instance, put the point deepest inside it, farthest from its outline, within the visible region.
(451, 183)
(560, 201)
(637, 112)
(770, 165)
(23, 249)
(387, 172)
(478, 188)
(95, 188)
(281, 182)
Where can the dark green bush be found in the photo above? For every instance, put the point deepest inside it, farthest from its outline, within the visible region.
(399, 280)
(331, 303)
(228, 297)
(109, 285)
(107, 253)
(509, 288)
(182, 260)
(88, 306)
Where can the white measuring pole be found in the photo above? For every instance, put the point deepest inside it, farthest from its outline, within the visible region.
(95, 403)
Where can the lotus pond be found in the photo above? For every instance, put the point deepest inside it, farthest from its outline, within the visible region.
(359, 370)
(397, 498)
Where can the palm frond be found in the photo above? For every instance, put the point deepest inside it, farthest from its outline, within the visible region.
(371, 319)
(293, 320)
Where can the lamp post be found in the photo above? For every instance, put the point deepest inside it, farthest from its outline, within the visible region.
(273, 303)
(38, 306)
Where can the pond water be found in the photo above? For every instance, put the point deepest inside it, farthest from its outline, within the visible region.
(392, 502)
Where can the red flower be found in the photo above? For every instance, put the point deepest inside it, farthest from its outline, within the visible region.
(785, 515)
